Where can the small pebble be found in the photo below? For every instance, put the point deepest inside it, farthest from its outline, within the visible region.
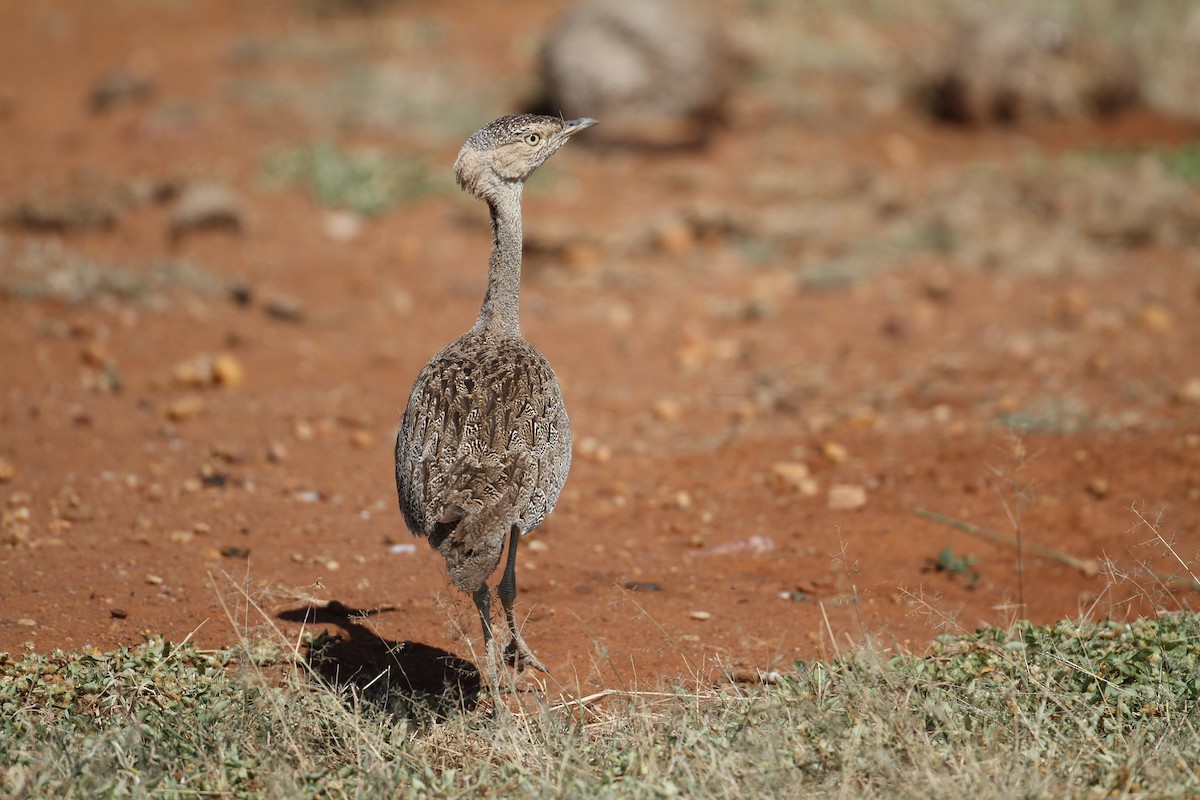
(1155, 317)
(668, 410)
(227, 370)
(675, 238)
(790, 475)
(835, 452)
(343, 226)
(1190, 391)
(7, 471)
(183, 408)
(284, 308)
(1098, 488)
(701, 615)
(207, 206)
(122, 86)
(847, 497)
(592, 450)
(154, 580)
(403, 548)
(118, 613)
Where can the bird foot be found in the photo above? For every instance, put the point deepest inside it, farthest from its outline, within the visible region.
(518, 656)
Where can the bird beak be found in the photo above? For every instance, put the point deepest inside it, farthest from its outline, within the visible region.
(574, 126)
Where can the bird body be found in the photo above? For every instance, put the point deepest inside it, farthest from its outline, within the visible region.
(487, 446)
(484, 446)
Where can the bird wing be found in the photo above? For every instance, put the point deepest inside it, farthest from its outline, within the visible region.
(484, 434)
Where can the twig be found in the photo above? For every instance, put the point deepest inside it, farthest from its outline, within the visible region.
(1191, 579)
(1088, 567)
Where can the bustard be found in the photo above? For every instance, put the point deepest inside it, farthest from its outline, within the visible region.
(484, 446)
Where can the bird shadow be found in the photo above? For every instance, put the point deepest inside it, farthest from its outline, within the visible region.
(409, 679)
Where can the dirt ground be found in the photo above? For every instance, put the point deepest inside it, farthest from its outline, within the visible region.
(775, 349)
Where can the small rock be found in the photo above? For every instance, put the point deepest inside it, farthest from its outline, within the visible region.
(207, 206)
(194, 372)
(343, 226)
(119, 87)
(590, 449)
(1190, 391)
(1155, 317)
(154, 580)
(668, 410)
(1098, 488)
(701, 616)
(207, 370)
(227, 370)
(756, 545)
(95, 354)
(938, 284)
(361, 439)
(183, 409)
(7, 471)
(118, 613)
(835, 452)
(793, 475)
(284, 308)
(27, 622)
(847, 497)
(675, 238)
(537, 546)
(277, 452)
(235, 552)
(683, 500)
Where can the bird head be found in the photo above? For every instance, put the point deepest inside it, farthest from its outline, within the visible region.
(509, 149)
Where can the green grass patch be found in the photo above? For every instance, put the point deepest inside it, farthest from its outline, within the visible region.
(1058, 711)
(1181, 162)
(366, 181)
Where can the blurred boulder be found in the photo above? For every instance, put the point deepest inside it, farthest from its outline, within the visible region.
(117, 88)
(87, 200)
(1011, 66)
(654, 72)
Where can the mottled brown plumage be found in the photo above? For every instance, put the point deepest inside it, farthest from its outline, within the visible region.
(484, 447)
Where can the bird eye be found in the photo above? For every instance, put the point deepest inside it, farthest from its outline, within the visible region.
(532, 139)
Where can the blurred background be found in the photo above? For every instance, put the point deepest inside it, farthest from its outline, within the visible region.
(821, 265)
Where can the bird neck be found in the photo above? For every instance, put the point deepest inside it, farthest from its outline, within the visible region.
(500, 313)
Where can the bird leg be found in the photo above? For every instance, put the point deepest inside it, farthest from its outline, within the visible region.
(483, 602)
(517, 654)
